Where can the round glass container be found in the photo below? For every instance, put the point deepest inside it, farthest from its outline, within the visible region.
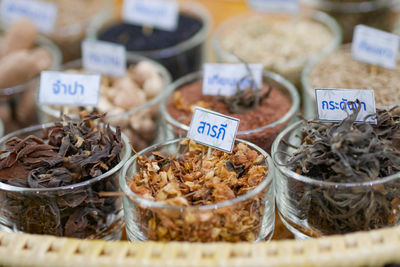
(340, 70)
(380, 14)
(17, 103)
(262, 136)
(289, 67)
(312, 208)
(50, 210)
(139, 135)
(189, 221)
(181, 58)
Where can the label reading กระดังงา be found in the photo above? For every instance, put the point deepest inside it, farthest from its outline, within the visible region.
(334, 105)
(213, 129)
(161, 14)
(226, 79)
(275, 6)
(60, 88)
(375, 47)
(42, 13)
(104, 57)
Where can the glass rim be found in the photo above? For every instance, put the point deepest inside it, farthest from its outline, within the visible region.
(350, 7)
(130, 59)
(192, 77)
(56, 56)
(125, 154)
(321, 17)
(191, 7)
(309, 180)
(268, 180)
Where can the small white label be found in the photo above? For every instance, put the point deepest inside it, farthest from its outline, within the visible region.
(60, 88)
(275, 6)
(43, 14)
(224, 79)
(104, 57)
(161, 14)
(213, 129)
(333, 104)
(375, 47)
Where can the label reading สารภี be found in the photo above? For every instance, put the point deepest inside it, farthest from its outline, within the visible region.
(375, 47)
(224, 79)
(333, 105)
(104, 57)
(43, 14)
(275, 6)
(161, 14)
(60, 88)
(213, 129)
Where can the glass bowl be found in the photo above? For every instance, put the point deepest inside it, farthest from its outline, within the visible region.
(312, 208)
(139, 135)
(262, 136)
(380, 14)
(50, 210)
(17, 103)
(180, 59)
(142, 215)
(290, 68)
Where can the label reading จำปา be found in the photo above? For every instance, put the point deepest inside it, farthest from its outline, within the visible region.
(275, 6)
(224, 79)
(333, 104)
(375, 47)
(104, 57)
(43, 14)
(60, 88)
(213, 129)
(161, 14)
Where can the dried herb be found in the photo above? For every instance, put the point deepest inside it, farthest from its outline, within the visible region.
(67, 154)
(346, 152)
(193, 179)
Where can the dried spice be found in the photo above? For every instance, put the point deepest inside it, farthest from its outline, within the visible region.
(68, 153)
(348, 153)
(194, 178)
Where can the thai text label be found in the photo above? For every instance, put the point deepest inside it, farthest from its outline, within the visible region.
(275, 6)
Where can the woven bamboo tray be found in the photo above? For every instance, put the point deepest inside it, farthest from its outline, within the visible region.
(374, 248)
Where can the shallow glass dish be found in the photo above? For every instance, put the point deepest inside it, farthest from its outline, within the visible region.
(141, 214)
(304, 202)
(262, 136)
(50, 209)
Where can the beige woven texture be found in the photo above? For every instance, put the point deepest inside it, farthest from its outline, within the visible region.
(374, 248)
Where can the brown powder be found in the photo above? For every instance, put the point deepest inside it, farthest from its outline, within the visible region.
(271, 109)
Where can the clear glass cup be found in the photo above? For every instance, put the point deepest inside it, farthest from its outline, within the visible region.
(262, 136)
(380, 14)
(140, 137)
(180, 59)
(142, 216)
(312, 208)
(290, 68)
(50, 210)
(17, 103)
(69, 34)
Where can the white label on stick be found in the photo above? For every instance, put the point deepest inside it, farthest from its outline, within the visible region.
(224, 79)
(60, 88)
(104, 57)
(375, 47)
(213, 129)
(43, 14)
(161, 14)
(275, 6)
(333, 104)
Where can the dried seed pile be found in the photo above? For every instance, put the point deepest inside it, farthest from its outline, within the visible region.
(68, 153)
(195, 179)
(347, 153)
(340, 70)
